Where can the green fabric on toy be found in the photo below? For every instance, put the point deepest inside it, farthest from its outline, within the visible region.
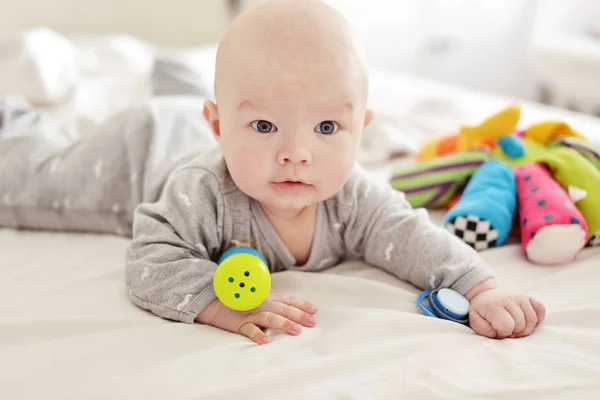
(432, 183)
(534, 152)
(591, 151)
(581, 180)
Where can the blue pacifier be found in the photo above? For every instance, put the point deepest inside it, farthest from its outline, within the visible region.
(445, 304)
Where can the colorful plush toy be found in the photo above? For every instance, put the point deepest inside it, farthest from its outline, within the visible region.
(547, 175)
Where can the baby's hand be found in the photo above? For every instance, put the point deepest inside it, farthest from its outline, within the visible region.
(279, 312)
(498, 314)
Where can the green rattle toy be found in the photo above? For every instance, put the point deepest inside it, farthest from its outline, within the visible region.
(242, 280)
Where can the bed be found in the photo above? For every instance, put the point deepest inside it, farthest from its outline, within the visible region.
(68, 330)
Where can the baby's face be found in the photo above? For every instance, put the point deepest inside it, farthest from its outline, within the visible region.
(290, 140)
(291, 106)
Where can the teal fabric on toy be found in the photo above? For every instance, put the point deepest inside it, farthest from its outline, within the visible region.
(512, 146)
(490, 195)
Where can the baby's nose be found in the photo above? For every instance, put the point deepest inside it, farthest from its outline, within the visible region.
(295, 156)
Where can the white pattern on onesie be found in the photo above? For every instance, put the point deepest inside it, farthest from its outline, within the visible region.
(185, 198)
(98, 169)
(145, 274)
(388, 252)
(185, 302)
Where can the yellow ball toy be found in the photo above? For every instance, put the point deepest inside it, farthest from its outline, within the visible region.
(242, 280)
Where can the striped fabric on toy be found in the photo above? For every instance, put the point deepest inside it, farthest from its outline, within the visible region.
(433, 183)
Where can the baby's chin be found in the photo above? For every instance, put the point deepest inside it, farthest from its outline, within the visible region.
(287, 203)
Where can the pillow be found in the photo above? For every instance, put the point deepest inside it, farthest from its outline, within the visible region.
(39, 64)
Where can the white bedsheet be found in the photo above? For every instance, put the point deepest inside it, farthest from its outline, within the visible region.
(68, 331)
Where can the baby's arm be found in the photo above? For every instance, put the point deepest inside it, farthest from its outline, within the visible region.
(170, 265)
(386, 231)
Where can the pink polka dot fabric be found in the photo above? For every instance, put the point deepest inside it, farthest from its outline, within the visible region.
(553, 230)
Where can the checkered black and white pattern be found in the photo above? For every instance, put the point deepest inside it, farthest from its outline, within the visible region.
(595, 240)
(475, 232)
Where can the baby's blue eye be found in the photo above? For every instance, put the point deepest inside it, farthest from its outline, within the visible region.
(327, 127)
(263, 126)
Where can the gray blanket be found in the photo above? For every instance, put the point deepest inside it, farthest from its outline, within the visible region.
(49, 181)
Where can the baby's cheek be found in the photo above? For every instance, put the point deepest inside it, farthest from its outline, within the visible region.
(247, 167)
(337, 168)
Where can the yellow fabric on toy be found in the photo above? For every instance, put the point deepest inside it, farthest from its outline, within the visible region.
(571, 170)
(470, 138)
(545, 132)
(498, 125)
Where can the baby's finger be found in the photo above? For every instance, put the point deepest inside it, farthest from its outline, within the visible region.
(503, 322)
(514, 309)
(481, 326)
(539, 308)
(531, 320)
(295, 302)
(274, 321)
(254, 333)
(292, 313)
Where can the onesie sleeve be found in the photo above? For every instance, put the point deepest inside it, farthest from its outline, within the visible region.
(170, 260)
(385, 231)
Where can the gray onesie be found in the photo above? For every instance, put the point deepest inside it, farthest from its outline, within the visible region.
(201, 213)
(154, 173)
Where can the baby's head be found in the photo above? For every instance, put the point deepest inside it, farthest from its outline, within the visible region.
(291, 92)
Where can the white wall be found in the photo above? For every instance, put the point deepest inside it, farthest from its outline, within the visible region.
(479, 44)
(485, 45)
(168, 23)
(567, 16)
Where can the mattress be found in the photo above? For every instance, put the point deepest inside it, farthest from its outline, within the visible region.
(68, 330)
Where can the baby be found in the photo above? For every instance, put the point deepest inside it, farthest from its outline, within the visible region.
(274, 168)
(291, 105)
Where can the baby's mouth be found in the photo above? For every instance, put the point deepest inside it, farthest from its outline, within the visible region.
(291, 181)
(291, 184)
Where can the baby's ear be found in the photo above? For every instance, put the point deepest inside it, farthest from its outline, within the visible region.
(368, 117)
(211, 114)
